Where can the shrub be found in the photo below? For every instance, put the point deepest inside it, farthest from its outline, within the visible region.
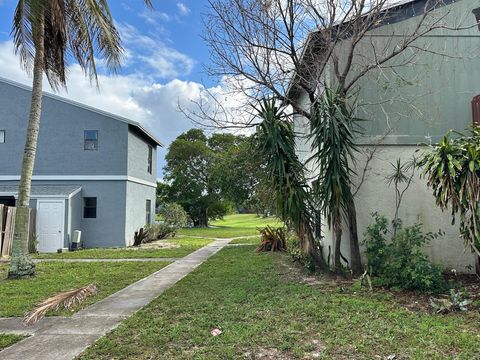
(401, 263)
(174, 217)
(157, 231)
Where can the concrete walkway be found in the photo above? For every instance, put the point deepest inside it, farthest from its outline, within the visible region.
(106, 260)
(65, 338)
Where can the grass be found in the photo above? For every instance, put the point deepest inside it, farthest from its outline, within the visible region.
(247, 240)
(186, 246)
(233, 226)
(258, 304)
(7, 340)
(19, 296)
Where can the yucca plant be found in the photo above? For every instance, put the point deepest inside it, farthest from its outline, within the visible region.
(275, 141)
(47, 35)
(332, 132)
(452, 170)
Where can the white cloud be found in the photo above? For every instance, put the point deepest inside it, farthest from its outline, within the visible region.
(183, 9)
(161, 60)
(132, 95)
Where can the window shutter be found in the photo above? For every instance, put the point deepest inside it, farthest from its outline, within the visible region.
(476, 110)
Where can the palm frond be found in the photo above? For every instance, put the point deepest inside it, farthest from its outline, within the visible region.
(67, 300)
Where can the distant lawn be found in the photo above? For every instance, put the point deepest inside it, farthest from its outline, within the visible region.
(7, 340)
(247, 240)
(187, 245)
(19, 296)
(261, 308)
(233, 226)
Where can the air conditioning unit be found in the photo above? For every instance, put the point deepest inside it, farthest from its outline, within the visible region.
(76, 239)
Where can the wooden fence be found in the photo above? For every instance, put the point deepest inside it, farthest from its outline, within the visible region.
(7, 226)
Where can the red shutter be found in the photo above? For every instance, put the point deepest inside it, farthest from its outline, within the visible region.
(476, 110)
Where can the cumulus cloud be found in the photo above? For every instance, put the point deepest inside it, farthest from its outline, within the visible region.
(131, 95)
(152, 55)
(183, 9)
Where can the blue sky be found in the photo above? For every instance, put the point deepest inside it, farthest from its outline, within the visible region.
(163, 65)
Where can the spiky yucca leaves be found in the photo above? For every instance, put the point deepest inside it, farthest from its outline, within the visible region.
(67, 300)
(452, 170)
(332, 132)
(275, 141)
(273, 239)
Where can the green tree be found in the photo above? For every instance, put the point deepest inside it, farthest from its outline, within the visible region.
(332, 132)
(46, 34)
(189, 170)
(162, 193)
(286, 176)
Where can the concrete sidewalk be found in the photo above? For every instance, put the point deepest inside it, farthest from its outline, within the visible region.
(65, 338)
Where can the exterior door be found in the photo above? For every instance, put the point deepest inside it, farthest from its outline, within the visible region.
(50, 224)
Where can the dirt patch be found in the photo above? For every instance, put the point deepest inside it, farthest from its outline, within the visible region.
(411, 301)
(159, 244)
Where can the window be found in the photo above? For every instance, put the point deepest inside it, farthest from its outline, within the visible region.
(91, 139)
(476, 13)
(150, 157)
(476, 110)
(148, 208)
(2, 136)
(90, 207)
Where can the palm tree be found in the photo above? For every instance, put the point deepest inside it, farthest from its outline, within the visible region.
(333, 128)
(47, 34)
(275, 141)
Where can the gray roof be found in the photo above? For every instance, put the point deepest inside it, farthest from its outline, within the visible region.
(42, 190)
(135, 124)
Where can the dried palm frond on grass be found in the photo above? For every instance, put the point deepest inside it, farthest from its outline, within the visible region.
(67, 300)
(273, 239)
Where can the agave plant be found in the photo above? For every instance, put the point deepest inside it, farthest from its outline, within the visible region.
(332, 131)
(275, 139)
(452, 170)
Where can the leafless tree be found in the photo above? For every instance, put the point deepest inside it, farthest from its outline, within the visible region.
(292, 49)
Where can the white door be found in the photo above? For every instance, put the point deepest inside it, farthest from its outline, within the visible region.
(50, 224)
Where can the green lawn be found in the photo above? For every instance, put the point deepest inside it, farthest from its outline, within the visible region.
(7, 340)
(20, 296)
(187, 245)
(261, 306)
(247, 240)
(233, 226)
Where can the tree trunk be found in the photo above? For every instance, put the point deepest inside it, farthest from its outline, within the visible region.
(355, 258)
(337, 251)
(202, 219)
(22, 265)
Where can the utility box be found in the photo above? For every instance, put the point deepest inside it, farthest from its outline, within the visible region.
(76, 239)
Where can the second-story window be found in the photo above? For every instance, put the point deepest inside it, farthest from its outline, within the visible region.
(2, 136)
(91, 139)
(150, 159)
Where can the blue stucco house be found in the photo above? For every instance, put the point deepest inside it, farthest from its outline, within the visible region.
(94, 172)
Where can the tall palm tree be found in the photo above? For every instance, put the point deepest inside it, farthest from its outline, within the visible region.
(47, 34)
(275, 141)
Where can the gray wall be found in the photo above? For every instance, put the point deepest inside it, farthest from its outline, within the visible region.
(138, 157)
(76, 213)
(61, 137)
(108, 229)
(137, 195)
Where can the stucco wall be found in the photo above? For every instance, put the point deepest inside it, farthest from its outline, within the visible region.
(138, 157)
(61, 138)
(137, 195)
(76, 213)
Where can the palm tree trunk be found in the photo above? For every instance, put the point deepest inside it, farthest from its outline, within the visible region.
(355, 258)
(21, 264)
(337, 250)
